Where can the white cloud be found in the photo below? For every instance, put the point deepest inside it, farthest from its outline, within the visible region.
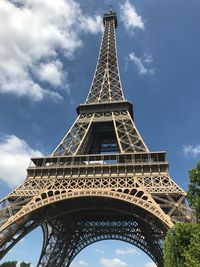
(112, 262)
(141, 63)
(147, 58)
(130, 17)
(80, 263)
(191, 150)
(51, 72)
(150, 264)
(31, 34)
(93, 25)
(15, 157)
(101, 251)
(126, 251)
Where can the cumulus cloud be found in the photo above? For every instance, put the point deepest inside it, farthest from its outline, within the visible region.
(191, 151)
(150, 264)
(130, 17)
(112, 262)
(93, 25)
(141, 63)
(80, 263)
(101, 251)
(34, 37)
(15, 156)
(126, 251)
(51, 72)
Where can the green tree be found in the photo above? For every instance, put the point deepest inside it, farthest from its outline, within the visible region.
(14, 264)
(9, 264)
(170, 259)
(182, 246)
(24, 264)
(194, 189)
(182, 242)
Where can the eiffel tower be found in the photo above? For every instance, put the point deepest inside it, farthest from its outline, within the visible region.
(101, 182)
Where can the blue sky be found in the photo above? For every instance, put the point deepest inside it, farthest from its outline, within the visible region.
(48, 54)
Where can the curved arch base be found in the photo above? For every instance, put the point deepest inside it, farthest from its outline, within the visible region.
(73, 219)
(63, 244)
(71, 225)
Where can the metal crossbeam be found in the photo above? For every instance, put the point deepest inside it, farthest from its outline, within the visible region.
(106, 85)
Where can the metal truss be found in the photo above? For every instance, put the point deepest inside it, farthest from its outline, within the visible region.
(127, 136)
(141, 180)
(101, 182)
(80, 232)
(106, 88)
(106, 85)
(71, 142)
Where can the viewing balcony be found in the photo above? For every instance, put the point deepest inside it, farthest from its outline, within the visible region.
(101, 164)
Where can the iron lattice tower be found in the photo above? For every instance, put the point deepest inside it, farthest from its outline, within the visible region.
(101, 182)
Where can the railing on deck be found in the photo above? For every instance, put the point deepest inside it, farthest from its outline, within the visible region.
(100, 159)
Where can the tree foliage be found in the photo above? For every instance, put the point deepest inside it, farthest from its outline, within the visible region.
(182, 246)
(9, 264)
(194, 189)
(25, 264)
(182, 242)
(14, 264)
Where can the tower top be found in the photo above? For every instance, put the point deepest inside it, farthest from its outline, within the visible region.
(110, 16)
(106, 85)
